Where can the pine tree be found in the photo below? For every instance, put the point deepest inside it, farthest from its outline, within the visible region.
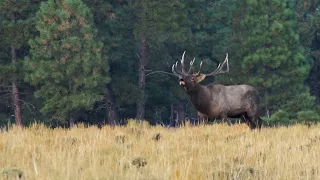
(66, 63)
(275, 59)
(310, 22)
(17, 25)
(113, 20)
(155, 22)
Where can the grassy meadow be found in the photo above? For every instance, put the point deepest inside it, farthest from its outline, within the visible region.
(139, 151)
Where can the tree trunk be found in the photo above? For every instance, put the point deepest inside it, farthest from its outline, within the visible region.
(317, 78)
(15, 91)
(181, 112)
(172, 119)
(72, 112)
(71, 120)
(142, 78)
(113, 118)
(267, 113)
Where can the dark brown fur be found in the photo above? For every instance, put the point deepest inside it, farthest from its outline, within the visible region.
(220, 101)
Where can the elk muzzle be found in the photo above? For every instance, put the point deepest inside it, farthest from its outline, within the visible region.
(182, 83)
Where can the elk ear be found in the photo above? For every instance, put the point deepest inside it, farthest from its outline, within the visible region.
(200, 78)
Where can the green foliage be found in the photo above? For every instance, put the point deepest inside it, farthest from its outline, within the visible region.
(4, 119)
(278, 118)
(275, 59)
(165, 38)
(308, 117)
(272, 45)
(16, 28)
(312, 39)
(115, 27)
(149, 20)
(16, 19)
(66, 62)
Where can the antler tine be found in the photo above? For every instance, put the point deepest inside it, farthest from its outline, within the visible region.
(191, 65)
(174, 69)
(220, 67)
(182, 63)
(183, 71)
(200, 69)
(227, 63)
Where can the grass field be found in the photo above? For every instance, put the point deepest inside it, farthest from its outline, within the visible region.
(142, 152)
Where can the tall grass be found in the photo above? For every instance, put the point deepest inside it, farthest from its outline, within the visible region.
(139, 151)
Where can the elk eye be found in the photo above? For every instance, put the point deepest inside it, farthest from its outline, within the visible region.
(192, 78)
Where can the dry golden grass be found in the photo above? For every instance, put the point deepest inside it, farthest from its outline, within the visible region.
(143, 152)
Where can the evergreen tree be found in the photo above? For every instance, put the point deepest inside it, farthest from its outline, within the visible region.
(114, 22)
(275, 59)
(16, 28)
(311, 26)
(66, 63)
(152, 29)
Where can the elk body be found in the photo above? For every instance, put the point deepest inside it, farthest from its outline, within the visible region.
(217, 100)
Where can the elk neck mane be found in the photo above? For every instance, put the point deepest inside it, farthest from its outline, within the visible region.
(202, 96)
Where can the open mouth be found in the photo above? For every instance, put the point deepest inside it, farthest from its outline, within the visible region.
(182, 83)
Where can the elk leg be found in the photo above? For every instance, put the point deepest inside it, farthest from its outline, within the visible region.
(224, 118)
(252, 124)
(255, 122)
(246, 120)
(203, 119)
(259, 123)
(250, 121)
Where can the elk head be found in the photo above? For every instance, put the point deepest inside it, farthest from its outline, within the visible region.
(189, 80)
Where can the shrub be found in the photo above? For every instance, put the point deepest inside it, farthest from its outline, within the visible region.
(280, 117)
(308, 117)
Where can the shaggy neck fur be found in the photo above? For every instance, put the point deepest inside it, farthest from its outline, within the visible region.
(199, 98)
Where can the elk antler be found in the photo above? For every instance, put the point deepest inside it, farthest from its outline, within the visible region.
(183, 71)
(182, 63)
(174, 69)
(191, 65)
(219, 68)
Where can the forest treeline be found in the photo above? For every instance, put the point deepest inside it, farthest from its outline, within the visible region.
(106, 61)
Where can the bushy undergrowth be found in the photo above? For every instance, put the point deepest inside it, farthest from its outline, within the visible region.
(308, 117)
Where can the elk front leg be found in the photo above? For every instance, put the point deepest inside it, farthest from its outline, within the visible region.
(224, 119)
(203, 119)
(252, 122)
(255, 122)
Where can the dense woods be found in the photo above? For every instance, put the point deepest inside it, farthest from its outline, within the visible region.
(106, 61)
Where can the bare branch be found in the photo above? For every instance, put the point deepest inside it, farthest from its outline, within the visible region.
(5, 86)
(138, 56)
(27, 104)
(163, 72)
(7, 95)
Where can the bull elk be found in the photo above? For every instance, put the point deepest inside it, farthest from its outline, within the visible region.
(217, 100)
